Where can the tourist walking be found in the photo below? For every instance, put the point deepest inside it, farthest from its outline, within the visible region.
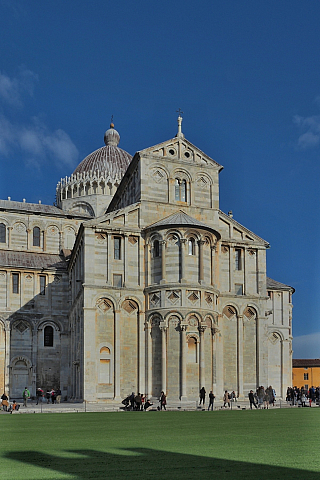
(211, 400)
(251, 399)
(58, 396)
(163, 401)
(226, 398)
(39, 394)
(202, 395)
(25, 395)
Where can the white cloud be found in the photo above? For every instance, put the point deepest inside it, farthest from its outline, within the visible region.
(37, 143)
(12, 89)
(307, 346)
(310, 130)
(33, 140)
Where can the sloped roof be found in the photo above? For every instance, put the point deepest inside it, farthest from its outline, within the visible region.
(307, 362)
(178, 139)
(274, 285)
(179, 219)
(31, 260)
(37, 208)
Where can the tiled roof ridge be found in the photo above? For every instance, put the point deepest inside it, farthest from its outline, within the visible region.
(184, 219)
(273, 284)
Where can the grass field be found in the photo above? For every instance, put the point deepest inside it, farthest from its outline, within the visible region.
(267, 444)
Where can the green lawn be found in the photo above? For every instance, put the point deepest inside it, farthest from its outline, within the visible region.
(266, 444)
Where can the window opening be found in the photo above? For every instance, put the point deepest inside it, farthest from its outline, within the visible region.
(305, 376)
(180, 190)
(156, 249)
(48, 336)
(117, 280)
(239, 289)
(238, 259)
(15, 283)
(2, 233)
(192, 246)
(117, 248)
(42, 284)
(36, 237)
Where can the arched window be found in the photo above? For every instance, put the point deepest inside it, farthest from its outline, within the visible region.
(180, 190)
(48, 336)
(156, 249)
(192, 350)
(191, 247)
(36, 237)
(105, 366)
(2, 233)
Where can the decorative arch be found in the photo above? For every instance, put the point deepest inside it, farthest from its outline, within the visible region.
(182, 174)
(21, 324)
(82, 207)
(249, 313)
(203, 176)
(55, 325)
(130, 306)
(230, 311)
(131, 298)
(193, 317)
(105, 303)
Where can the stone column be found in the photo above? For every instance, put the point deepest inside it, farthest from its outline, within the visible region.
(214, 357)
(246, 287)
(201, 270)
(183, 329)
(9, 236)
(125, 263)
(142, 354)
(147, 264)
(202, 372)
(28, 238)
(258, 362)
(44, 240)
(240, 355)
(7, 359)
(61, 239)
(231, 268)
(219, 360)
(148, 328)
(183, 242)
(163, 261)
(117, 355)
(34, 333)
(213, 252)
(109, 260)
(163, 329)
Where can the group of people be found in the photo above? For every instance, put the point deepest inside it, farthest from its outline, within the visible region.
(6, 406)
(52, 396)
(262, 397)
(140, 402)
(302, 396)
(137, 402)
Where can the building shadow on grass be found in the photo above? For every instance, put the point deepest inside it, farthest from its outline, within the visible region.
(146, 463)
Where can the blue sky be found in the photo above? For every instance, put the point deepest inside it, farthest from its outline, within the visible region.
(245, 74)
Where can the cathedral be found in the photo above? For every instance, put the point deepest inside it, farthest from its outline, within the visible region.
(136, 281)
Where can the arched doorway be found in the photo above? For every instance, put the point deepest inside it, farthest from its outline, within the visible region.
(20, 371)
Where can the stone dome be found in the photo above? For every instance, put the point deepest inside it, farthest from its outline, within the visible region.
(111, 161)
